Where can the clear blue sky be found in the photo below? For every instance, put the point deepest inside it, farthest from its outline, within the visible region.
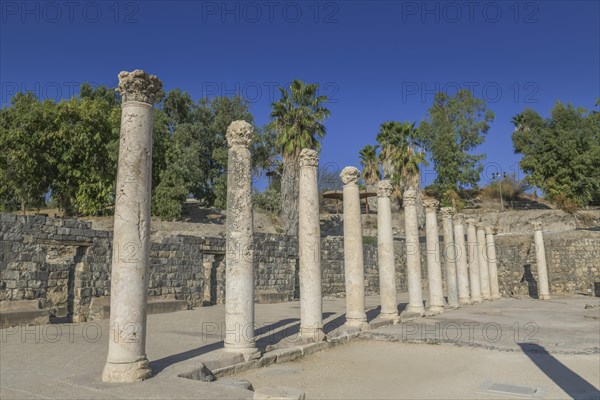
(378, 60)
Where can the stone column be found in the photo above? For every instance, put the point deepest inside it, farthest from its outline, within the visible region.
(462, 267)
(239, 258)
(473, 255)
(127, 361)
(450, 255)
(309, 241)
(413, 257)
(492, 263)
(542, 269)
(484, 272)
(434, 265)
(385, 252)
(353, 251)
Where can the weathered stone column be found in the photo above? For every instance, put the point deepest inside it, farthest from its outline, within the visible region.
(413, 257)
(309, 240)
(492, 263)
(127, 361)
(484, 272)
(450, 255)
(434, 265)
(353, 251)
(473, 254)
(542, 269)
(462, 267)
(239, 258)
(385, 252)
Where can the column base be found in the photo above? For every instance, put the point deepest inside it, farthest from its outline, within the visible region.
(464, 301)
(392, 316)
(496, 296)
(361, 324)
(249, 353)
(475, 300)
(126, 373)
(434, 310)
(408, 315)
(452, 306)
(312, 335)
(544, 297)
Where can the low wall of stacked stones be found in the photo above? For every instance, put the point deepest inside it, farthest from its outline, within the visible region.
(64, 264)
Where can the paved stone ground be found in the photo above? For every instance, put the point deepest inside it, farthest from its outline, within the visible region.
(65, 361)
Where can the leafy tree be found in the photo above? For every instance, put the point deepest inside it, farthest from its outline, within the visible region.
(24, 159)
(455, 126)
(561, 154)
(83, 146)
(298, 119)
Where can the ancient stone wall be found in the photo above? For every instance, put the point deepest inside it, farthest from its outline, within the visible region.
(64, 263)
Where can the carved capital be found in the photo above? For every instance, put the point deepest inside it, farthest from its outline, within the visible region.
(537, 225)
(308, 158)
(447, 212)
(240, 133)
(459, 219)
(489, 230)
(409, 198)
(350, 175)
(480, 225)
(471, 221)
(384, 188)
(139, 86)
(430, 205)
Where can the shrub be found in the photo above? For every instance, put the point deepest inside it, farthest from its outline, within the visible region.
(269, 201)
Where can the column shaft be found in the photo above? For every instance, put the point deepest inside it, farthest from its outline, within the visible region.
(492, 263)
(309, 239)
(473, 254)
(385, 252)
(542, 268)
(413, 254)
(239, 258)
(127, 361)
(462, 267)
(434, 265)
(353, 251)
(484, 272)
(450, 256)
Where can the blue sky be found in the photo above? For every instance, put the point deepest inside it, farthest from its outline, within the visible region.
(377, 60)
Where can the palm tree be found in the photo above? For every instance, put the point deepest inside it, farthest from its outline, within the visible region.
(371, 174)
(298, 120)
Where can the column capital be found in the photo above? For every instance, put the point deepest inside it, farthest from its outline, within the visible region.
(384, 188)
(459, 219)
(308, 158)
(240, 133)
(489, 230)
(471, 221)
(447, 212)
(139, 86)
(350, 175)
(480, 225)
(430, 205)
(537, 225)
(409, 198)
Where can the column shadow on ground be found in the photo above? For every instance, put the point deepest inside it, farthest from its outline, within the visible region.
(571, 383)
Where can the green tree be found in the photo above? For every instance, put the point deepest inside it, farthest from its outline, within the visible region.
(24, 159)
(298, 119)
(455, 127)
(83, 144)
(561, 154)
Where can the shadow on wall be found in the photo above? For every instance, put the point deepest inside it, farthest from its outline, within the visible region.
(571, 383)
(531, 282)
